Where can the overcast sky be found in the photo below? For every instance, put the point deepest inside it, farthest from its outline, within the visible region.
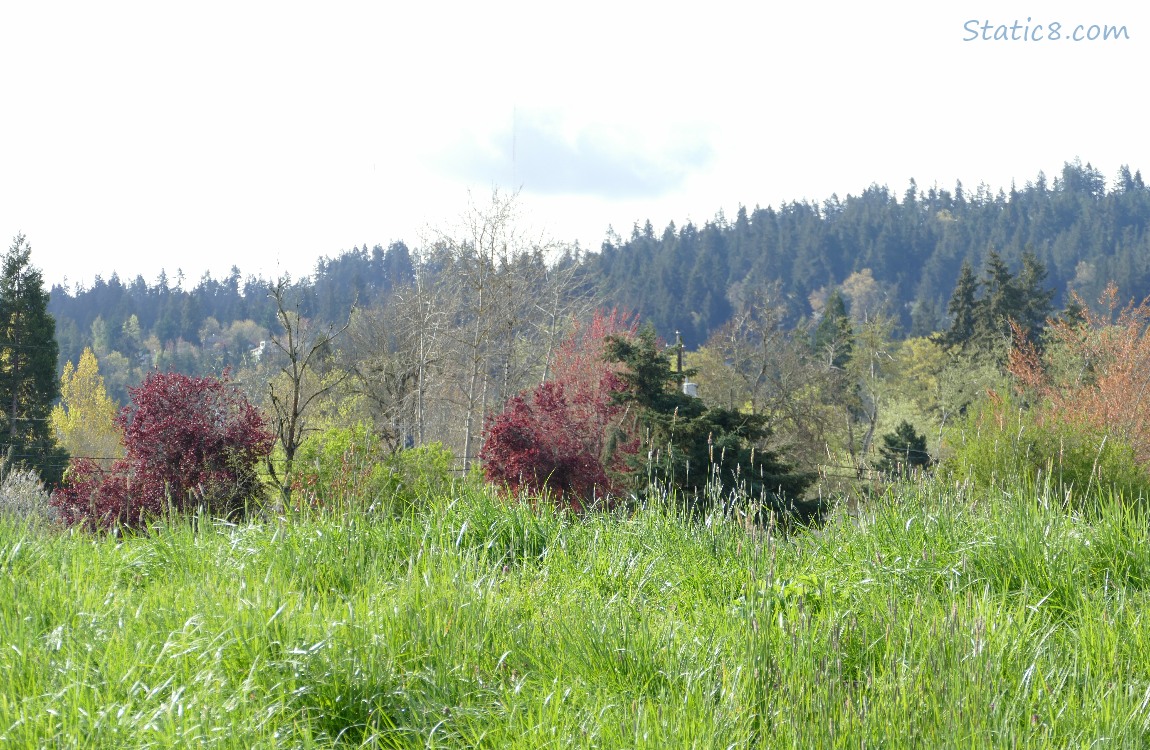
(141, 136)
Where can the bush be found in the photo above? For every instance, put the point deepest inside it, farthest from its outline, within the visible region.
(23, 497)
(341, 467)
(190, 443)
(1000, 442)
(538, 444)
(1087, 426)
(427, 472)
(903, 453)
(570, 437)
(1092, 372)
(338, 466)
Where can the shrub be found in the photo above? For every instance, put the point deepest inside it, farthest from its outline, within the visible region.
(426, 472)
(346, 466)
(1000, 442)
(569, 437)
(337, 466)
(189, 443)
(1093, 372)
(1089, 416)
(538, 444)
(904, 452)
(23, 497)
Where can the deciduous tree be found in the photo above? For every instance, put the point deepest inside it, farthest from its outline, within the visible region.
(85, 419)
(571, 435)
(487, 282)
(301, 349)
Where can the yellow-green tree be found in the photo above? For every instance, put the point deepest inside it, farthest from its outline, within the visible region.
(84, 420)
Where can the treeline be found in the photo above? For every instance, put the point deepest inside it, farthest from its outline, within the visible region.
(689, 278)
(497, 350)
(216, 324)
(898, 255)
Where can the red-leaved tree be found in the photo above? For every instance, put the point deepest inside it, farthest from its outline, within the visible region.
(189, 443)
(568, 436)
(537, 443)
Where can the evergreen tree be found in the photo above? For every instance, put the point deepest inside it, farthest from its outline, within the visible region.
(1035, 301)
(962, 309)
(834, 336)
(981, 324)
(1001, 302)
(692, 448)
(903, 451)
(925, 317)
(28, 353)
(1074, 314)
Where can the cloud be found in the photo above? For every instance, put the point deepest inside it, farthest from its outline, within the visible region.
(544, 156)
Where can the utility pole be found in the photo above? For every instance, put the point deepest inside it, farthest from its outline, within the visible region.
(679, 357)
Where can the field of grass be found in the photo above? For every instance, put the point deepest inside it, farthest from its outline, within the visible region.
(930, 619)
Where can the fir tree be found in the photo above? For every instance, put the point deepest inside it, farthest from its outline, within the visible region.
(981, 323)
(28, 353)
(692, 448)
(1074, 314)
(903, 451)
(1035, 300)
(1001, 302)
(834, 336)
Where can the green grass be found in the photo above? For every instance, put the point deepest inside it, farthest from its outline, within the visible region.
(932, 619)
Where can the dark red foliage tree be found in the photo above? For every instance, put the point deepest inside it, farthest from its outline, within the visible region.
(537, 443)
(568, 436)
(189, 443)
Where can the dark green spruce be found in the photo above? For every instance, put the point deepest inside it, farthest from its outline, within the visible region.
(701, 453)
(28, 382)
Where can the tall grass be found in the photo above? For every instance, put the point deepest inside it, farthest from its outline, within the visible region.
(932, 618)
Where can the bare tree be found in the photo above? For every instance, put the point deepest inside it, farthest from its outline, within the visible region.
(777, 372)
(394, 352)
(871, 360)
(480, 323)
(488, 278)
(557, 303)
(750, 341)
(302, 349)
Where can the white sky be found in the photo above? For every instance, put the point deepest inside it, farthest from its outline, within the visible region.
(141, 136)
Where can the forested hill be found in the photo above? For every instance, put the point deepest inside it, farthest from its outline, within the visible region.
(686, 278)
(214, 324)
(898, 253)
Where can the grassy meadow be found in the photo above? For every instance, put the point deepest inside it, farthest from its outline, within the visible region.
(933, 617)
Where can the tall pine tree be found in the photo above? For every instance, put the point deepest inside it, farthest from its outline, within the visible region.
(981, 325)
(1001, 302)
(692, 447)
(962, 309)
(834, 337)
(1037, 301)
(28, 353)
